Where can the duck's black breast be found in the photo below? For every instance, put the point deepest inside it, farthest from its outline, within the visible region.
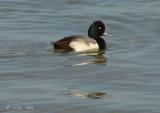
(101, 43)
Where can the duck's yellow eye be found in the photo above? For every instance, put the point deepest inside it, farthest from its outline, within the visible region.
(99, 28)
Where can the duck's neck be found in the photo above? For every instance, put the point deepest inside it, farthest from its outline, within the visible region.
(101, 43)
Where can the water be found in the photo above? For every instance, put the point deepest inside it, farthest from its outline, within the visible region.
(35, 79)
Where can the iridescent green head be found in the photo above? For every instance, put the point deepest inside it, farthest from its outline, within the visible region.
(97, 29)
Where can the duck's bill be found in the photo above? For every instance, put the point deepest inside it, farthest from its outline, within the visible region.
(106, 34)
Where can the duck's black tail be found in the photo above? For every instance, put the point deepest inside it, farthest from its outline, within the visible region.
(55, 45)
(52, 43)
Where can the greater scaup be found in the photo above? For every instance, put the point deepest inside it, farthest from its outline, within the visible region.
(80, 43)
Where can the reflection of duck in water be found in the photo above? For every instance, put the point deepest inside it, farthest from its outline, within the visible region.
(80, 43)
(99, 58)
(85, 94)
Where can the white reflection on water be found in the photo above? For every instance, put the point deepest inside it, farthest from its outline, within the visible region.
(98, 58)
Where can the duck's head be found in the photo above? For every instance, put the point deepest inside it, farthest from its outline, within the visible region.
(97, 29)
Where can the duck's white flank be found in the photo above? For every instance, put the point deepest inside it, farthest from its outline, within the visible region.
(80, 45)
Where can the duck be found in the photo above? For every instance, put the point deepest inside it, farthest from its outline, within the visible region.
(81, 43)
